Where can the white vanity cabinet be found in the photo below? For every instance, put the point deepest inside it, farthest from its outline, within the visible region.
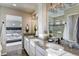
(32, 48)
(27, 45)
(40, 51)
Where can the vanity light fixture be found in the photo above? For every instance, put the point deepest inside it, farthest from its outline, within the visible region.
(13, 4)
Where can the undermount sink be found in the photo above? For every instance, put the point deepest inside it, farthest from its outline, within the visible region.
(53, 52)
(57, 50)
(54, 49)
(54, 46)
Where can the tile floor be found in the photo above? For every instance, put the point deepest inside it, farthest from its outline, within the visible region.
(17, 53)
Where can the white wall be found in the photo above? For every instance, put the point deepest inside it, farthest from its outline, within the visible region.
(42, 19)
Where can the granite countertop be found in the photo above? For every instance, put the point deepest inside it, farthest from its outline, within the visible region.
(36, 40)
(42, 46)
(30, 36)
(55, 48)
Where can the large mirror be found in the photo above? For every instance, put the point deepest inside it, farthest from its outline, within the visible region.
(57, 18)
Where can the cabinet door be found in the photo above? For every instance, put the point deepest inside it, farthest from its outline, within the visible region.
(32, 50)
(25, 44)
(31, 54)
(38, 53)
(28, 47)
(41, 50)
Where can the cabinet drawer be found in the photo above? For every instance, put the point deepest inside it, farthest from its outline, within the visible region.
(32, 54)
(32, 49)
(28, 49)
(42, 51)
(25, 44)
(38, 53)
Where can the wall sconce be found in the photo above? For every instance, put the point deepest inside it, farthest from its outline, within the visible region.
(35, 28)
(27, 28)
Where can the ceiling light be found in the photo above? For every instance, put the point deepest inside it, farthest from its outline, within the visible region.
(14, 4)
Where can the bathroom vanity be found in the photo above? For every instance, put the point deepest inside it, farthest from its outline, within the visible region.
(57, 50)
(33, 47)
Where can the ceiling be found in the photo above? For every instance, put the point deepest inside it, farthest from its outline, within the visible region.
(25, 7)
